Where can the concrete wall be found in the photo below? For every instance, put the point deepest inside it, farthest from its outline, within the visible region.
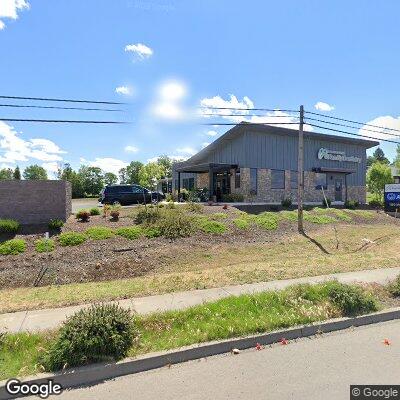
(35, 202)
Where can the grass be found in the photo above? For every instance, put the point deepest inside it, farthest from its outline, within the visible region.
(226, 318)
(318, 218)
(241, 223)
(44, 245)
(267, 220)
(209, 226)
(99, 232)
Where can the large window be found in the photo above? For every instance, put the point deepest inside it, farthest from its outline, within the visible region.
(237, 179)
(253, 181)
(277, 179)
(188, 183)
(320, 181)
(294, 181)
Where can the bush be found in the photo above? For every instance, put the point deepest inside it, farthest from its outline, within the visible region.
(175, 224)
(99, 232)
(351, 300)
(55, 224)
(98, 333)
(241, 223)
(351, 204)
(148, 215)
(170, 205)
(232, 198)
(326, 202)
(318, 219)
(394, 287)
(114, 212)
(13, 246)
(129, 232)
(71, 238)
(193, 207)
(286, 202)
(152, 232)
(209, 226)
(44, 245)
(218, 215)
(376, 203)
(9, 226)
(267, 220)
(94, 211)
(83, 215)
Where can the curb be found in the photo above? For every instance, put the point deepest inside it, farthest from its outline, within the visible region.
(97, 373)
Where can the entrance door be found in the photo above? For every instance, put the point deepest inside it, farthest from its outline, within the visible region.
(338, 190)
(222, 184)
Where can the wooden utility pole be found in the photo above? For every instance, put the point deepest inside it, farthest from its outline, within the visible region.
(300, 169)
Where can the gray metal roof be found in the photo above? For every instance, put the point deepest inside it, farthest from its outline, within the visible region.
(269, 129)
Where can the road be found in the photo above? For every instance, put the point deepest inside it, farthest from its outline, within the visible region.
(79, 204)
(318, 368)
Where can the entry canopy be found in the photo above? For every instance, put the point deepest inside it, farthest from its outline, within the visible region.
(334, 170)
(205, 167)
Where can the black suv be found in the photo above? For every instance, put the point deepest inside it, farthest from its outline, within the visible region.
(128, 194)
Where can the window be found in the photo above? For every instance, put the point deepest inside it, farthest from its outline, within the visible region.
(253, 180)
(188, 183)
(320, 181)
(294, 179)
(237, 179)
(176, 184)
(277, 179)
(137, 189)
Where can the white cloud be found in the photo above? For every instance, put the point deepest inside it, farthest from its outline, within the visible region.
(107, 164)
(212, 133)
(205, 144)
(169, 103)
(187, 150)
(51, 167)
(384, 122)
(15, 149)
(124, 90)
(139, 50)
(321, 106)
(131, 149)
(173, 158)
(10, 8)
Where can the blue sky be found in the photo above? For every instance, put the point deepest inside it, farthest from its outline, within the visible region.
(168, 55)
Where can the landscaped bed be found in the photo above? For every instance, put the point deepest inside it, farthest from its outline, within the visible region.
(104, 260)
(124, 335)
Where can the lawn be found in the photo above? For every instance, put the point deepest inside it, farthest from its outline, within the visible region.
(292, 256)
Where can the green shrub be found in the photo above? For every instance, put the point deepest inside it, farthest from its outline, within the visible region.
(394, 287)
(99, 232)
(217, 216)
(193, 207)
(44, 245)
(267, 220)
(290, 215)
(326, 202)
(129, 232)
(55, 224)
(170, 205)
(286, 202)
(351, 204)
(71, 238)
(98, 333)
(350, 299)
(241, 223)
(152, 232)
(376, 203)
(146, 215)
(94, 211)
(232, 198)
(13, 246)
(83, 215)
(175, 224)
(9, 226)
(209, 226)
(318, 218)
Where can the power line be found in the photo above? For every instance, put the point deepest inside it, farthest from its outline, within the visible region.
(62, 121)
(247, 109)
(248, 115)
(60, 108)
(353, 134)
(249, 123)
(353, 122)
(63, 100)
(352, 127)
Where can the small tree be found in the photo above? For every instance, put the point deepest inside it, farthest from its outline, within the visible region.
(35, 173)
(17, 174)
(378, 176)
(6, 174)
(150, 173)
(379, 155)
(110, 178)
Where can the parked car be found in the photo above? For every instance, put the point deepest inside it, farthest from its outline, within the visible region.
(129, 194)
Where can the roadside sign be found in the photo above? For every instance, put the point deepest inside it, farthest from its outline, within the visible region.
(392, 196)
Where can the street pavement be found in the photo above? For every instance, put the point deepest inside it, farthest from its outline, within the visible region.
(323, 367)
(36, 320)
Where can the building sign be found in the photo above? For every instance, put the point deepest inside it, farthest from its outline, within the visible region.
(392, 196)
(334, 155)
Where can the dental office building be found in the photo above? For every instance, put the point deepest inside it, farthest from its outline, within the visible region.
(260, 163)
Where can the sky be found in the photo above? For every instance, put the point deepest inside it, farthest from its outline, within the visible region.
(167, 58)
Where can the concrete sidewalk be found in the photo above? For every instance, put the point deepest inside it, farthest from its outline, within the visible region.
(36, 320)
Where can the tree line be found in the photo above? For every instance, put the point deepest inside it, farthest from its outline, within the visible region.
(87, 181)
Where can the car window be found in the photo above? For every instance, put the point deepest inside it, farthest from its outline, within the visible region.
(137, 189)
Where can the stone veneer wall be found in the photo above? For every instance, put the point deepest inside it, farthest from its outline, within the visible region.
(35, 202)
(202, 180)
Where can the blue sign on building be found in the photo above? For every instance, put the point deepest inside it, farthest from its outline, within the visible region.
(392, 197)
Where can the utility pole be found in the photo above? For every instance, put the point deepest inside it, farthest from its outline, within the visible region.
(300, 169)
